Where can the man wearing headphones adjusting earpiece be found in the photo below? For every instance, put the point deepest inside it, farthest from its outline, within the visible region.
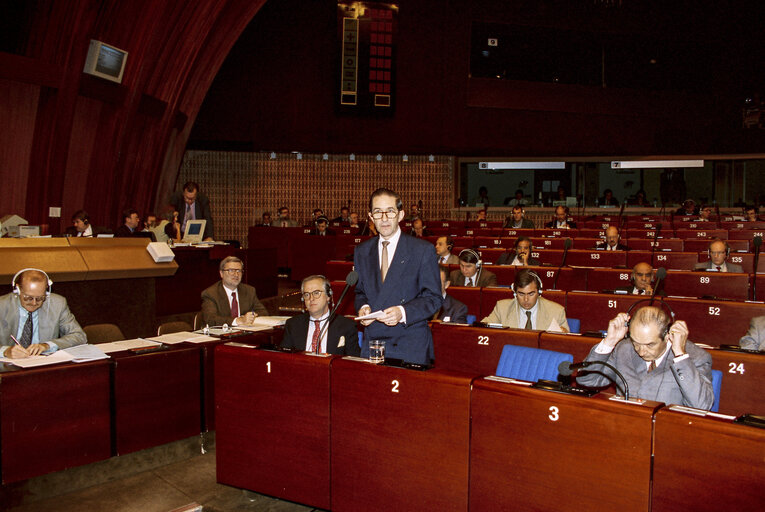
(302, 331)
(718, 252)
(528, 310)
(38, 319)
(471, 271)
(655, 358)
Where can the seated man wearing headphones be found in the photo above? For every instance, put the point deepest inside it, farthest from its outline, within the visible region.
(521, 255)
(516, 219)
(611, 242)
(655, 358)
(302, 332)
(38, 319)
(642, 280)
(444, 246)
(528, 310)
(471, 272)
(718, 252)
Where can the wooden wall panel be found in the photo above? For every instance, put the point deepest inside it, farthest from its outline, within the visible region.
(17, 112)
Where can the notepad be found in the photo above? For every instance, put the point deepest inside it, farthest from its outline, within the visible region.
(31, 362)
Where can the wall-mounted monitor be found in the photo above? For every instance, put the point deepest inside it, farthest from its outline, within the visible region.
(105, 61)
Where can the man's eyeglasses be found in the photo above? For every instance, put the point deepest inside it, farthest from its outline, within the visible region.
(389, 214)
(315, 294)
(233, 270)
(36, 300)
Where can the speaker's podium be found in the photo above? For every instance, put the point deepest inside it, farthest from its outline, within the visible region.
(534, 449)
(400, 438)
(272, 421)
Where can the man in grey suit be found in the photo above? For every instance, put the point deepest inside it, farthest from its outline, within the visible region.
(38, 319)
(718, 251)
(754, 339)
(528, 310)
(656, 359)
(444, 246)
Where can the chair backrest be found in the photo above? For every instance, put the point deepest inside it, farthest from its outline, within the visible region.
(103, 333)
(717, 376)
(574, 324)
(170, 327)
(532, 364)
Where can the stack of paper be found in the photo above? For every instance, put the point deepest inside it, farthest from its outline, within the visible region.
(118, 346)
(82, 353)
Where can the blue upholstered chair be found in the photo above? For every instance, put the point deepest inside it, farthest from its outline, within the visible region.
(532, 364)
(574, 324)
(717, 376)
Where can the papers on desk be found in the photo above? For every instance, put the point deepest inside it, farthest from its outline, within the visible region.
(59, 356)
(83, 353)
(181, 337)
(554, 327)
(270, 321)
(248, 328)
(118, 346)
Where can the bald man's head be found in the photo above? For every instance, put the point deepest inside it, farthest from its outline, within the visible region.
(612, 236)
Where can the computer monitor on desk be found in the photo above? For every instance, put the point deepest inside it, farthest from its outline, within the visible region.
(195, 230)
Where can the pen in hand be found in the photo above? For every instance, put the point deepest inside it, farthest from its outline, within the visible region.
(19, 344)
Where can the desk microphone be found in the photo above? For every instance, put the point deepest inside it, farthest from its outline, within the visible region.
(350, 280)
(757, 241)
(660, 275)
(655, 240)
(566, 246)
(565, 368)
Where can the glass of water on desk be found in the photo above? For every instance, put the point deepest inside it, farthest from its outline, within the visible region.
(376, 351)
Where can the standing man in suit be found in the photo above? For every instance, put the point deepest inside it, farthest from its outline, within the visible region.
(398, 275)
(229, 301)
(521, 255)
(302, 331)
(656, 359)
(528, 310)
(38, 319)
(718, 252)
(754, 339)
(612, 241)
(471, 271)
(452, 310)
(193, 205)
(516, 220)
(444, 246)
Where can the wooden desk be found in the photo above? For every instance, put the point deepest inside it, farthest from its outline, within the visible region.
(53, 418)
(742, 383)
(273, 423)
(537, 450)
(706, 464)
(207, 353)
(475, 350)
(156, 397)
(400, 438)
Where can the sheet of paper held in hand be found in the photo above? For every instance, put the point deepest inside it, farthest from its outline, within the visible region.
(118, 346)
(180, 337)
(371, 316)
(30, 362)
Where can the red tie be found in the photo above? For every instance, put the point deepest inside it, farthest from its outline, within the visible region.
(234, 306)
(315, 339)
(719, 269)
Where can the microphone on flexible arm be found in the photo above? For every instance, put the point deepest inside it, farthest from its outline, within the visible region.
(565, 368)
(350, 280)
(757, 241)
(660, 275)
(655, 240)
(566, 246)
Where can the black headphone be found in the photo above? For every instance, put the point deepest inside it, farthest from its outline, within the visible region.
(536, 278)
(327, 286)
(15, 285)
(660, 301)
(475, 253)
(449, 243)
(727, 248)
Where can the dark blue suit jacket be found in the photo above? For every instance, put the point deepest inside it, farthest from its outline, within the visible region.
(412, 282)
(454, 309)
